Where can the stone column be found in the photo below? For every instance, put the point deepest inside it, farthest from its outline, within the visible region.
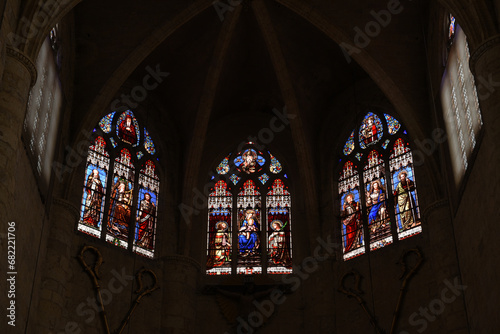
(49, 307)
(18, 76)
(476, 224)
(179, 295)
(485, 64)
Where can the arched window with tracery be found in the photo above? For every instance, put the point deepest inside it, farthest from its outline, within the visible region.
(376, 186)
(121, 185)
(250, 185)
(460, 103)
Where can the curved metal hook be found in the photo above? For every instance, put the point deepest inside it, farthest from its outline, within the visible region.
(146, 290)
(353, 292)
(95, 270)
(404, 265)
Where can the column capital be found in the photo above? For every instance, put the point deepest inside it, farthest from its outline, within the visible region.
(25, 60)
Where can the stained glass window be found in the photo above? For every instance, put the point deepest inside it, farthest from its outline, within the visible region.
(406, 207)
(279, 229)
(219, 237)
(379, 191)
(148, 143)
(262, 239)
(106, 122)
(392, 124)
(451, 28)
(127, 128)
(370, 131)
(115, 193)
(350, 212)
(145, 228)
(460, 103)
(275, 166)
(263, 178)
(223, 167)
(349, 145)
(94, 189)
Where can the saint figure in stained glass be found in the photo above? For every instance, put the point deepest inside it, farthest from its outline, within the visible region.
(93, 201)
(127, 129)
(119, 212)
(378, 217)
(248, 237)
(405, 201)
(279, 253)
(249, 161)
(369, 131)
(351, 218)
(146, 222)
(220, 247)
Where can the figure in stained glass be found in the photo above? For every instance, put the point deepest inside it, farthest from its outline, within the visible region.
(220, 246)
(369, 130)
(146, 222)
(351, 218)
(278, 250)
(249, 161)
(248, 237)
(119, 212)
(375, 201)
(405, 201)
(93, 202)
(127, 131)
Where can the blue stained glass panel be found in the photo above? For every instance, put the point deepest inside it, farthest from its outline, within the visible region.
(113, 142)
(392, 124)
(349, 145)
(275, 166)
(105, 123)
(140, 155)
(223, 167)
(148, 143)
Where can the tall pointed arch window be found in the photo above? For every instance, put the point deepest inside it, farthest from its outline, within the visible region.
(251, 198)
(377, 187)
(121, 185)
(43, 112)
(460, 103)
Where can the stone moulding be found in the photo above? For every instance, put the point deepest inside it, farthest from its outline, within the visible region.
(482, 49)
(25, 60)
